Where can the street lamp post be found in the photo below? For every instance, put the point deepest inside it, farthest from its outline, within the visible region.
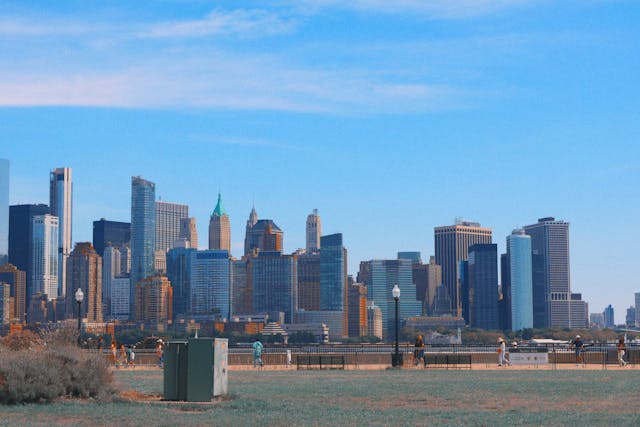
(79, 298)
(396, 359)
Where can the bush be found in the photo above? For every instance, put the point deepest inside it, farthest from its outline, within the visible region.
(52, 369)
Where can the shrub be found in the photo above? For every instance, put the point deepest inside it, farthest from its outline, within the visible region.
(52, 369)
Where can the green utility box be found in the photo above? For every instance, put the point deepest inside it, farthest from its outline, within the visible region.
(188, 370)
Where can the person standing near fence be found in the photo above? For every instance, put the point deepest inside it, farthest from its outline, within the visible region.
(257, 353)
(621, 352)
(578, 345)
(418, 352)
(501, 350)
(123, 356)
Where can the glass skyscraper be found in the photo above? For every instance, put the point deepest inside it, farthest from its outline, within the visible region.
(380, 276)
(61, 205)
(4, 210)
(333, 274)
(482, 279)
(178, 272)
(168, 223)
(521, 280)
(44, 257)
(143, 234)
(274, 278)
(210, 283)
(114, 232)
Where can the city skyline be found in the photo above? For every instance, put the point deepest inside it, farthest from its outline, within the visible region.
(389, 121)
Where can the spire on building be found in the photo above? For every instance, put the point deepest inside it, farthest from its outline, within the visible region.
(219, 210)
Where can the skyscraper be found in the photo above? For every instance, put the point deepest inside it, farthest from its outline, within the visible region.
(18, 281)
(637, 306)
(380, 276)
(309, 281)
(482, 276)
(4, 210)
(114, 232)
(84, 271)
(44, 258)
(241, 287)
(154, 305)
(521, 279)
(333, 278)
(265, 235)
(219, 228)
(253, 219)
(21, 240)
(179, 274)
(274, 278)
(168, 224)
(61, 205)
(189, 232)
(550, 239)
(120, 298)
(111, 269)
(314, 231)
(143, 234)
(609, 321)
(210, 283)
(451, 246)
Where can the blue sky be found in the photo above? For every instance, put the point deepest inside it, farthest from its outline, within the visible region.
(389, 117)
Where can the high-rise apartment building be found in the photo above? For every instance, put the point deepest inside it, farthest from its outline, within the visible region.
(84, 271)
(154, 301)
(333, 278)
(521, 279)
(120, 298)
(482, 277)
(210, 283)
(309, 281)
(168, 224)
(451, 246)
(61, 206)
(219, 228)
(4, 210)
(274, 278)
(609, 321)
(357, 310)
(21, 239)
(143, 234)
(314, 231)
(107, 232)
(44, 255)
(380, 276)
(17, 279)
(550, 239)
(189, 231)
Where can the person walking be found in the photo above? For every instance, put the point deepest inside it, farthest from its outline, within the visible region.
(501, 351)
(123, 356)
(621, 353)
(257, 353)
(114, 354)
(418, 352)
(578, 345)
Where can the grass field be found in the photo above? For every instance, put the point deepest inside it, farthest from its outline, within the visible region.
(409, 397)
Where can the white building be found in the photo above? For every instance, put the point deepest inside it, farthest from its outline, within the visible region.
(61, 205)
(314, 231)
(110, 269)
(44, 257)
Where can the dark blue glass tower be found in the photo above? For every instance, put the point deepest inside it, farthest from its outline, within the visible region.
(332, 273)
(143, 234)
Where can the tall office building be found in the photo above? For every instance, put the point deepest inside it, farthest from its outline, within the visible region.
(120, 298)
(84, 271)
(309, 281)
(482, 276)
(6, 303)
(426, 277)
(380, 276)
(264, 235)
(168, 224)
(125, 260)
(274, 279)
(521, 279)
(143, 234)
(374, 321)
(17, 279)
(451, 246)
(609, 321)
(333, 278)
(153, 302)
(178, 273)
(219, 228)
(21, 239)
(630, 318)
(110, 232)
(44, 255)
(111, 269)
(539, 290)
(253, 219)
(314, 231)
(357, 310)
(241, 287)
(61, 205)
(4, 210)
(189, 232)
(550, 239)
(210, 284)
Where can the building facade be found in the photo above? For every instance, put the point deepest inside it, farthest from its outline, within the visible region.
(210, 284)
(314, 231)
(168, 224)
(374, 321)
(107, 232)
(274, 278)
(357, 310)
(154, 301)
(143, 234)
(426, 278)
(219, 228)
(333, 278)
(84, 271)
(189, 231)
(451, 246)
(309, 281)
(4, 210)
(608, 314)
(120, 298)
(111, 269)
(61, 206)
(241, 287)
(179, 274)
(482, 276)
(17, 279)
(44, 255)
(521, 279)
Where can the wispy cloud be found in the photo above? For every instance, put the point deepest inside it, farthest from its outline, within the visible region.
(239, 141)
(242, 22)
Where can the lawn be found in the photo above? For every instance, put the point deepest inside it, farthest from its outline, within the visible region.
(407, 397)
